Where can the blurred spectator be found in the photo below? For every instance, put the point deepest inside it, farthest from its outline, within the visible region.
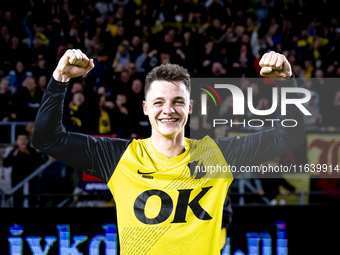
(42, 82)
(146, 60)
(104, 7)
(130, 67)
(6, 102)
(189, 47)
(121, 113)
(106, 122)
(28, 100)
(111, 24)
(16, 51)
(206, 59)
(218, 70)
(24, 160)
(100, 75)
(5, 39)
(17, 76)
(224, 59)
(75, 87)
(40, 67)
(135, 48)
(243, 63)
(216, 31)
(139, 121)
(122, 56)
(76, 116)
(272, 37)
(122, 85)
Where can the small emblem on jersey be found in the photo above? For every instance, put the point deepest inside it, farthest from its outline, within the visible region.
(139, 172)
(147, 176)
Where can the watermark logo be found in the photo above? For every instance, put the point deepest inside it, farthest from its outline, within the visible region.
(239, 98)
(204, 97)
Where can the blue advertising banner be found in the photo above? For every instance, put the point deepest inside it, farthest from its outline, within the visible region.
(258, 230)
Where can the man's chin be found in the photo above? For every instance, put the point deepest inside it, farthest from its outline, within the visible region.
(169, 133)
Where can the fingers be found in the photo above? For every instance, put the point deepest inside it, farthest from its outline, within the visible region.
(77, 58)
(265, 70)
(90, 66)
(273, 60)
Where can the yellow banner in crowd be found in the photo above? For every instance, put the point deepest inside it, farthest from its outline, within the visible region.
(323, 152)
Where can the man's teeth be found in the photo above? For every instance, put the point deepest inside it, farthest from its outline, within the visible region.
(168, 120)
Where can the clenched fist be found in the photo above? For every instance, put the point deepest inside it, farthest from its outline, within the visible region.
(73, 63)
(275, 66)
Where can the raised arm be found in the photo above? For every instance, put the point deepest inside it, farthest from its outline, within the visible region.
(97, 156)
(258, 148)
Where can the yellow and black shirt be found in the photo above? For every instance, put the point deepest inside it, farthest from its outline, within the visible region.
(164, 206)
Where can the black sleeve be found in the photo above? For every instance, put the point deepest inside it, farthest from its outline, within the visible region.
(95, 156)
(258, 148)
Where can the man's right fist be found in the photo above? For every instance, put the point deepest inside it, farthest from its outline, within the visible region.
(73, 63)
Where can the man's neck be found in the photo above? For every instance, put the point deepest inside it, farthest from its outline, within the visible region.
(169, 147)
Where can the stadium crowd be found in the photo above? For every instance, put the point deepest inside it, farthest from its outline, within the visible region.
(126, 39)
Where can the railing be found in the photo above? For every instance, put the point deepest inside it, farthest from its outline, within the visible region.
(13, 125)
(82, 199)
(24, 184)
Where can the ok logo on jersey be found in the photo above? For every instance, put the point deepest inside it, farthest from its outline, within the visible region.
(167, 206)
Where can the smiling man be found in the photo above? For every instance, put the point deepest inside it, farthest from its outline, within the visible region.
(164, 206)
(168, 105)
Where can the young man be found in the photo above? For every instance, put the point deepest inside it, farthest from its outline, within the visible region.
(162, 206)
(24, 160)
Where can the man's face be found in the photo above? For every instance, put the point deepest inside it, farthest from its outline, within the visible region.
(121, 99)
(78, 98)
(167, 105)
(22, 141)
(136, 86)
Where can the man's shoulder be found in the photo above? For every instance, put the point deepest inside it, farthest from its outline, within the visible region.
(208, 139)
(109, 142)
(213, 143)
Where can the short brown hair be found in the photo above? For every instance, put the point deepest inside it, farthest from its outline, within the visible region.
(167, 72)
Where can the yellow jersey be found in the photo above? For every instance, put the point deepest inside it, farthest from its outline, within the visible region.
(162, 207)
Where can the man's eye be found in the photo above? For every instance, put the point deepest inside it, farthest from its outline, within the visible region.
(157, 103)
(179, 102)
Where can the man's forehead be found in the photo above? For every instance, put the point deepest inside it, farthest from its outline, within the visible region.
(159, 85)
(166, 88)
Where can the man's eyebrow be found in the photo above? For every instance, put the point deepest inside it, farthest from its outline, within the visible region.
(157, 98)
(183, 98)
(162, 98)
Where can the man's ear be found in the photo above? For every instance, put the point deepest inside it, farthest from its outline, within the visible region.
(145, 109)
(191, 105)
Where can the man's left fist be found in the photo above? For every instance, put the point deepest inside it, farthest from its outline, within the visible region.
(275, 66)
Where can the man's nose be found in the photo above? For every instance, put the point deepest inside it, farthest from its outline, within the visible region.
(168, 108)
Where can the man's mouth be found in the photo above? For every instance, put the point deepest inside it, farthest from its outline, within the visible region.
(168, 120)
